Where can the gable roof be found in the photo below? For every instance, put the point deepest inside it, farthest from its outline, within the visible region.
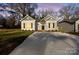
(69, 21)
(27, 17)
(49, 17)
(66, 22)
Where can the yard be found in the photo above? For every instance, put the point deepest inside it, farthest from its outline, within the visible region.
(73, 33)
(11, 38)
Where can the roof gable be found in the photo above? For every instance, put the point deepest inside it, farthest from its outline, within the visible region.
(27, 17)
(72, 21)
(66, 22)
(49, 18)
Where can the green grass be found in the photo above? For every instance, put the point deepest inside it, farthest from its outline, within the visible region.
(11, 38)
(74, 33)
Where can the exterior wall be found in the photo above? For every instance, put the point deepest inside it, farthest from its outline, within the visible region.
(76, 26)
(66, 27)
(46, 25)
(39, 26)
(28, 25)
(51, 25)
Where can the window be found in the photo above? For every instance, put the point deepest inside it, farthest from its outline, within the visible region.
(23, 25)
(53, 25)
(49, 25)
(31, 25)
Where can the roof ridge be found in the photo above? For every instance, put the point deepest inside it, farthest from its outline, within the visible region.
(49, 16)
(27, 18)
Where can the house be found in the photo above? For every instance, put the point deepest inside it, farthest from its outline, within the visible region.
(48, 23)
(68, 25)
(77, 26)
(27, 23)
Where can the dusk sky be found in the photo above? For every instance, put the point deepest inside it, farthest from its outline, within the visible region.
(54, 6)
(48, 6)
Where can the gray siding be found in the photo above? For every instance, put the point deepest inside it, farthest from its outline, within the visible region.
(66, 27)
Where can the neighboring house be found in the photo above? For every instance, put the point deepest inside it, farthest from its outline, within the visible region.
(48, 23)
(27, 23)
(77, 26)
(68, 25)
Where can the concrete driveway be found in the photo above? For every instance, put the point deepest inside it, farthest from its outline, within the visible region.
(48, 43)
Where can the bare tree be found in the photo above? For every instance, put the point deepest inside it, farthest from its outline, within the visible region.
(44, 13)
(24, 8)
(70, 11)
(10, 22)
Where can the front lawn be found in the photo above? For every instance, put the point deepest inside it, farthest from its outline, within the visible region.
(74, 33)
(11, 38)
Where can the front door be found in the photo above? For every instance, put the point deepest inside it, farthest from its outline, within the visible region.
(42, 27)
